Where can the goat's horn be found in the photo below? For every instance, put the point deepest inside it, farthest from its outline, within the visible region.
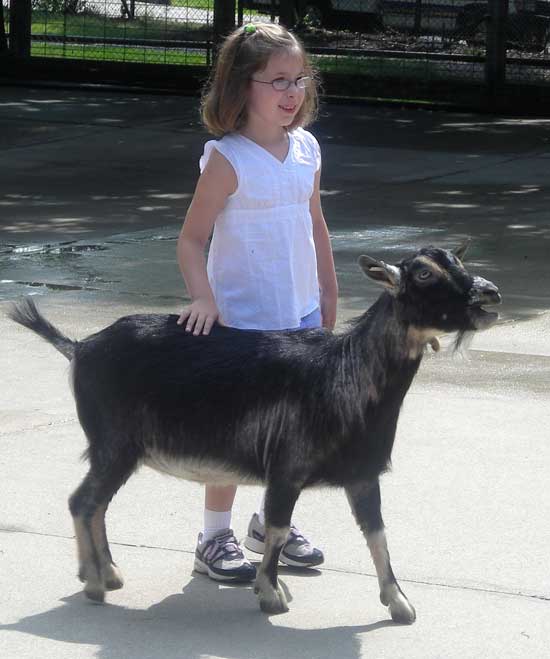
(461, 251)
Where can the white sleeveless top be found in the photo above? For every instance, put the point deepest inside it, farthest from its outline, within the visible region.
(261, 264)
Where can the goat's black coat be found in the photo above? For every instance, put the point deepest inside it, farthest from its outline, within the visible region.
(243, 398)
(292, 408)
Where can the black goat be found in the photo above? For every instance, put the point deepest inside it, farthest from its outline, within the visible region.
(289, 409)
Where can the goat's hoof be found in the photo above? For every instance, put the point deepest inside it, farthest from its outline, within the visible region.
(114, 584)
(94, 589)
(113, 579)
(402, 611)
(274, 603)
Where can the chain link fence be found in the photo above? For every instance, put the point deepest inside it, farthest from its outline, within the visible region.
(401, 49)
(149, 31)
(392, 40)
(153, 32)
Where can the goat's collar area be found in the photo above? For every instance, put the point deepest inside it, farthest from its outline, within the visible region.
(420, 337)
(483, 294)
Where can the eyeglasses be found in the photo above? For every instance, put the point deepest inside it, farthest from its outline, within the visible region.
(282, 84)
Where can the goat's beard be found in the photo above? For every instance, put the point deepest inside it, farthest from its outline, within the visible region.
(462, 342)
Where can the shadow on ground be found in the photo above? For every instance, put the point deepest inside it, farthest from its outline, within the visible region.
(206, 619)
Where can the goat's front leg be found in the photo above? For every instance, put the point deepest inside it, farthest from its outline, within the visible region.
(280, 499)
(365, 503)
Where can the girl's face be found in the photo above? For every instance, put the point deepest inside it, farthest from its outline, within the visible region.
(275, 108)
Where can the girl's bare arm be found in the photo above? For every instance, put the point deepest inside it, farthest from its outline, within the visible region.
(215, 184)
(325, 260)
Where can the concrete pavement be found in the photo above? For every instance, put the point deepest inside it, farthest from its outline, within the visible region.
(466, 505)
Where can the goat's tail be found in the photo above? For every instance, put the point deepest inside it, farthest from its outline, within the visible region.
(25, 313)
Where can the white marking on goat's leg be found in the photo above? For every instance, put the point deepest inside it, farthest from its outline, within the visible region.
(391, 595)
(83, 549)
(280, 499)
(270, 595)
(110, 573)
(84, 508)
(365, 503)
(88, 505)
(89, 570)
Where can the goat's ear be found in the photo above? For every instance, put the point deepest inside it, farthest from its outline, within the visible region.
(460, 252)
(388, 276)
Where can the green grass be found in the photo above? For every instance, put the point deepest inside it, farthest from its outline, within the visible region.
(100, 27)
(375, 66)
(118, 54)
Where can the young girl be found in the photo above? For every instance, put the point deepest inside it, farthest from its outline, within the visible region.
(270, 263)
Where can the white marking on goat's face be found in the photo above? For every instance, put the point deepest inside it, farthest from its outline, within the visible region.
(198, 471)
(432, 265)
(426, 271)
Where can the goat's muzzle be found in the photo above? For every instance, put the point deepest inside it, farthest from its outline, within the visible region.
(483, 293)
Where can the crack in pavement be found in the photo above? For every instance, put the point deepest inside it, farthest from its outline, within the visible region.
(421, 582)
(39, 426)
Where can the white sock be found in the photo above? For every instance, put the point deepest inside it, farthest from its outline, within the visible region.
(214, 522)
(261, 510)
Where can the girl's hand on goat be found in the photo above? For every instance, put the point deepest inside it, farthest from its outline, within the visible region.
(328, 310)
(200, 316)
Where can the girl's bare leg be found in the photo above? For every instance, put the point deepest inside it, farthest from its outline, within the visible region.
(219, 499)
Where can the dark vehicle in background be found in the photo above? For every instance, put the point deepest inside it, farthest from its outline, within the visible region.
(528, 20)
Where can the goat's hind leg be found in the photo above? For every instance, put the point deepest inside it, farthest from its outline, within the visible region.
(88, 506)
(111, 574)
(279, 504)
(365, 503)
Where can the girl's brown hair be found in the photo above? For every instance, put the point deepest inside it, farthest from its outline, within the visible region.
(243, 53)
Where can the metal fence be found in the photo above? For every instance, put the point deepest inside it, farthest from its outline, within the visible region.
(159, 32)
(448, 50)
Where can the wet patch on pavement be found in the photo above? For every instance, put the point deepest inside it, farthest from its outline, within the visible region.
(141, 267)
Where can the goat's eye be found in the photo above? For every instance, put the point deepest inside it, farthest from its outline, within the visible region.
(423, 275)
